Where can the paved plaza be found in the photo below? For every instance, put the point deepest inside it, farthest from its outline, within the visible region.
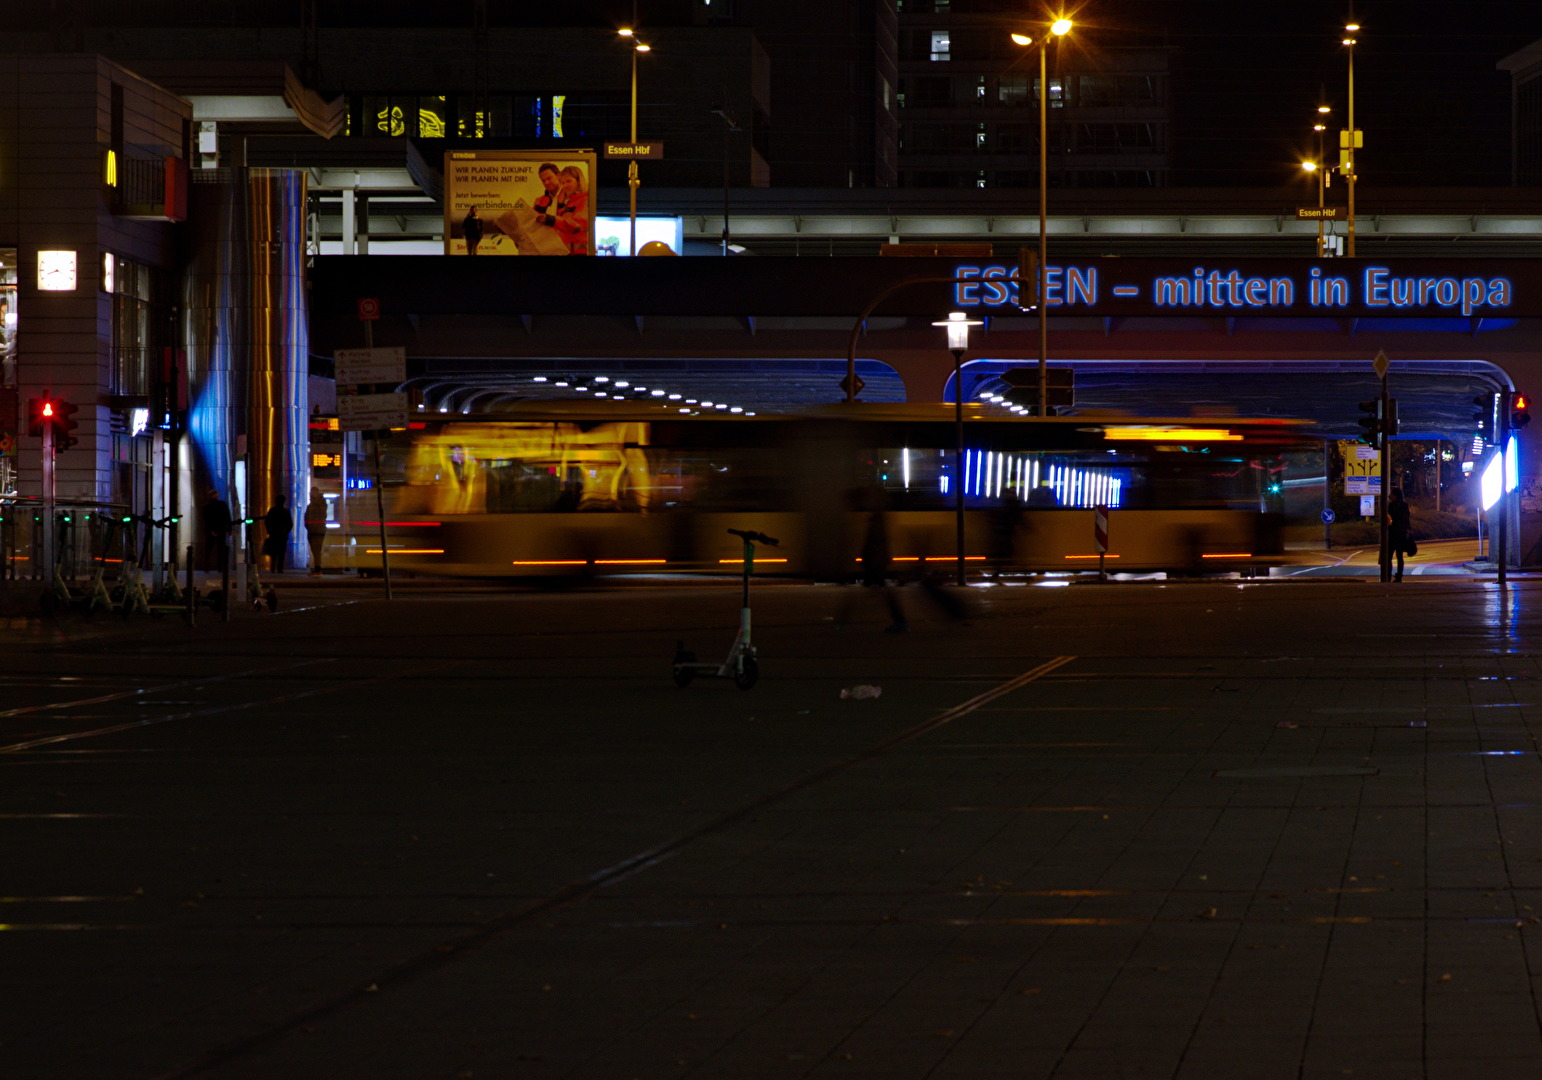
(1216, 830)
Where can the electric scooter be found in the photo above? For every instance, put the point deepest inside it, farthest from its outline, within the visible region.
(741, 666)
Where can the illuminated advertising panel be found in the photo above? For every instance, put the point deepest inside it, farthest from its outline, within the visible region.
(519, 202)
(613, 235)
(1493, 480)
(1512, 465)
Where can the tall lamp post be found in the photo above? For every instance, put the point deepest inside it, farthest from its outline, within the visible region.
(632, 182)
(733, 128)
(1321, 169)
(1349, 141)
(1057, 30)
(1316, 169)
(957, 325)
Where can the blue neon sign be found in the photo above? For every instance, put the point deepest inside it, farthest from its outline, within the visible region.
(1281, 289)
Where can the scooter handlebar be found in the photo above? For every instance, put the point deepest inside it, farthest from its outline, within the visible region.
(756, 537)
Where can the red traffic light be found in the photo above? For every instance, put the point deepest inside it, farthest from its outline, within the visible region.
(52, 415)
(1520, 411)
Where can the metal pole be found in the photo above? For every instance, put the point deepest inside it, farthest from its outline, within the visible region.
(50, 527)
(631, 168)
(727, 131)
(1327, 491)
(1350, 241)
(1502, 507)
(1386, 490)
(1043, 299)
(385, 551)
(958, 454)
(1320, 195)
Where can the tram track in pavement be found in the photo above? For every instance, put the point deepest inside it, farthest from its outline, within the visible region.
(492, 929)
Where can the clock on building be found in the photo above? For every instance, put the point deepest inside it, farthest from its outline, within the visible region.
(56, 271)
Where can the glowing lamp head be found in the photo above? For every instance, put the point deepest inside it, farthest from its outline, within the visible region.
(626, 31)
(1352, 27)
(1309, 166)
(1060, 27)
(1325, 110)
(644, 48)
(957, 325)
(1022, 39)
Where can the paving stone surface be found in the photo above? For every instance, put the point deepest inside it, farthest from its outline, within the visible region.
(1181, 831)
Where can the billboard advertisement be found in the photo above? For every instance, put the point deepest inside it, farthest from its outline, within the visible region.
(519, 202)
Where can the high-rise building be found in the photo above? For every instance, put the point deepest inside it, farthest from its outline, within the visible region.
(969, 103)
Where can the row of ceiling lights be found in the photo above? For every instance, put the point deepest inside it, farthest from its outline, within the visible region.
(618, 389)
(1000, 399)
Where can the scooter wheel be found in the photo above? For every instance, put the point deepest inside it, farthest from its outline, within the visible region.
(749, 673)
(684, 675)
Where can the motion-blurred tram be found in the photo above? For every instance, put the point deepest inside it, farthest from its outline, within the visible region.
(595, 488)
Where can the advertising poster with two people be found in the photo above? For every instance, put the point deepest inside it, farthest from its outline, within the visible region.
(516, 202)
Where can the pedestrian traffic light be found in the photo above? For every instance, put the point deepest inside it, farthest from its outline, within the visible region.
(1483, 416)
(41, 412)
(1370, 422)
(1520, 410)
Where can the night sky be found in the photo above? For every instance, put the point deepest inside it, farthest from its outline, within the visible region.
(1248, 75)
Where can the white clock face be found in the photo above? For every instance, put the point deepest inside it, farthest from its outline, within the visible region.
(56, 271)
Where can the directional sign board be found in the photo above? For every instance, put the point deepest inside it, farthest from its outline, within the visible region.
(1362, 468)
(371, 412)
(356, 367)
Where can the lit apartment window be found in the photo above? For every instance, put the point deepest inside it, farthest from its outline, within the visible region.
(941, 49)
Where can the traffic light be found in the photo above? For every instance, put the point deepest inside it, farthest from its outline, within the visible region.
(1370, 421)
(40, 413)
(64, 424)
(1389, 423)
(1520, 410)
(1483, 416)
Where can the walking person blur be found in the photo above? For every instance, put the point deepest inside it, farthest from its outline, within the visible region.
(280, 523)
(316, 528)
(1397, 530)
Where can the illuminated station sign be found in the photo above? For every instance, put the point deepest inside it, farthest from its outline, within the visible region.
(1112, 287)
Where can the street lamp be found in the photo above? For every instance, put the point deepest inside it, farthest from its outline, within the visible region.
(631, 166)
(1315, 167)
(1057, 30)
(957, 325)
(1349, 141)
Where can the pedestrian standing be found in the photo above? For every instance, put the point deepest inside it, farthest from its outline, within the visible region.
(1397, 530)
(279, 523)
(471, 229)
(316, 528)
